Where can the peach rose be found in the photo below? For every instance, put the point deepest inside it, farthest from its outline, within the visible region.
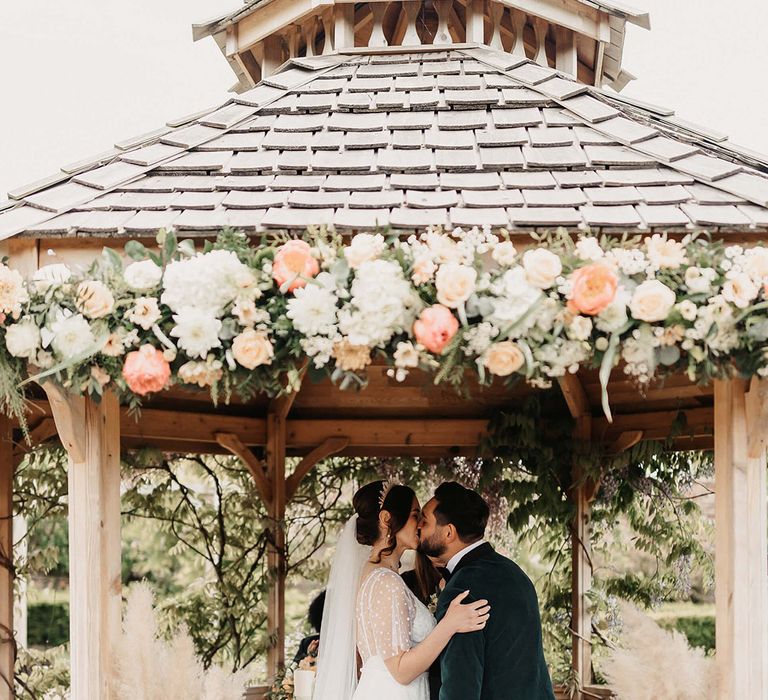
(503, 359)
(293, 264)
(94, 299)
(435, 328)
(593, 289)
(252, 348)
(146, 370)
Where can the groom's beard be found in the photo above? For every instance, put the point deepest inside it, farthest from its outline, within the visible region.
(432, 548)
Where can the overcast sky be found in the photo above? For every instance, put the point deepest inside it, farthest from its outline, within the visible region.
(78, 75)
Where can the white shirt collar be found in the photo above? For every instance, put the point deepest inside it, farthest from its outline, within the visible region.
(456, 558)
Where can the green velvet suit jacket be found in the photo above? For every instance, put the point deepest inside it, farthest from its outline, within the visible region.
(505, 661)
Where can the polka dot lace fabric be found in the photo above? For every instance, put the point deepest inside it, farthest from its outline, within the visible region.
(390, 620)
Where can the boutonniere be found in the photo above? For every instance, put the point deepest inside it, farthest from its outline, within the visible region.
(432, 603)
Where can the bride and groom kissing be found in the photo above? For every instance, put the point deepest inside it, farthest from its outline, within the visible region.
(378, 639)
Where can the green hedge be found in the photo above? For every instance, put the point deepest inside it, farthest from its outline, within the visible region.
(699, 630)
(47, 624)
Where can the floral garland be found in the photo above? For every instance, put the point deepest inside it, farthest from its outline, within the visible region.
(242, 318)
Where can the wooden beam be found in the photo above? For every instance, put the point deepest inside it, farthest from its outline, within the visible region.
(574, 395)
(741, 571)
(7, 575)
(566, 60)
(582, 492)
(233, 444)
(277, 552)
(757, 417)
(90, 432)
(330, 446)
(628, 439)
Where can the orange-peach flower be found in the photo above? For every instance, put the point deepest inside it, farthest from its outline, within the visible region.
(435, 328)
(294, 264)
(593, 288)
(146, 370)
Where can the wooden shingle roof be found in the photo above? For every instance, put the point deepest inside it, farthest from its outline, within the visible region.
(461, 137)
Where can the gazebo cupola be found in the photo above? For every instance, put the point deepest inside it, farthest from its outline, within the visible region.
(581, 38)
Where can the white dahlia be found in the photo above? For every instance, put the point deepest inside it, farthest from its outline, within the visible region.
(71, 335)
(197, 331)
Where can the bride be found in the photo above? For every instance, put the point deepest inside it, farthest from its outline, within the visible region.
(370, 611)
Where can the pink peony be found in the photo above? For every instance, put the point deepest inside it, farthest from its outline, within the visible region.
(146, 370)
(593, 289)
(294, 263)
(435, 328)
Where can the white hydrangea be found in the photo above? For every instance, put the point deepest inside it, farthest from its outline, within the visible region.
(197, 331)
(478, 338)
(630, 262)
(207, 281)
(515, 298)
(589, 249)
(143, 275)
(382, 304)
(319, 348)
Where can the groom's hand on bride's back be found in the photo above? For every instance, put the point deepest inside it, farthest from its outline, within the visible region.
(467, 617)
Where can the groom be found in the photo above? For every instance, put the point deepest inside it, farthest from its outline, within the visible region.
(505, 661)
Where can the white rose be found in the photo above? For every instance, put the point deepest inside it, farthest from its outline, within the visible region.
(364, 247)
(47, 275)
(739, 289)
(23, 339)
(94, 299)
(542, 267)
(503, 359)
(580, 328)
(756, 264)
(143, 275)
(504, 253)
(688, 310)
(652, 301)
(455, 284)
(145, 312)
(699, 279)
(664, 253)
(252, 348)
(589, 249)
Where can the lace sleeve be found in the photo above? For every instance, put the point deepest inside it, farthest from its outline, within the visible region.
(387, 613)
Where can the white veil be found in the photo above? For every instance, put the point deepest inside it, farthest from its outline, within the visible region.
(337, 660)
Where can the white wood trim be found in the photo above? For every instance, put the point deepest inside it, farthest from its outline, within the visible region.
(475, 22)
(583, 20)
(344, 31)
(741, 576)
(566, 60)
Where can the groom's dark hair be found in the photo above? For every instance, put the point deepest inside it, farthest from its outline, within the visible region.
(463, 508)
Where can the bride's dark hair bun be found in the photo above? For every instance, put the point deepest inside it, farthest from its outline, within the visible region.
(398, 503)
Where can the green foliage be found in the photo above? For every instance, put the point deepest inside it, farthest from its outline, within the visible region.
(47, 624)
(42, 675)
(700, 631)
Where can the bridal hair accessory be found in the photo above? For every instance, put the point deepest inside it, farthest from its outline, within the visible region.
(389, 484)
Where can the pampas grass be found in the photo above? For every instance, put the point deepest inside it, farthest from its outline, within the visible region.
(657, 664)
(150, 668)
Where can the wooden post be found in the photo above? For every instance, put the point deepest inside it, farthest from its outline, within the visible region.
(475, 22)
(276, 556)
(7, 639)
(741, 572)
(582, 494)
(90, 432)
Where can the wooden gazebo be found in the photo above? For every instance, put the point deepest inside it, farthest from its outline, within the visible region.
(403, 114)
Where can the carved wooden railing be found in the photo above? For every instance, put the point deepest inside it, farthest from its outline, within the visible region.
(412, 23)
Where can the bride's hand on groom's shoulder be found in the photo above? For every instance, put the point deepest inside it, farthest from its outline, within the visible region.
(469, 617)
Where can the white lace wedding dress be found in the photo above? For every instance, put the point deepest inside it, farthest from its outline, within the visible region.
(390, 619)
